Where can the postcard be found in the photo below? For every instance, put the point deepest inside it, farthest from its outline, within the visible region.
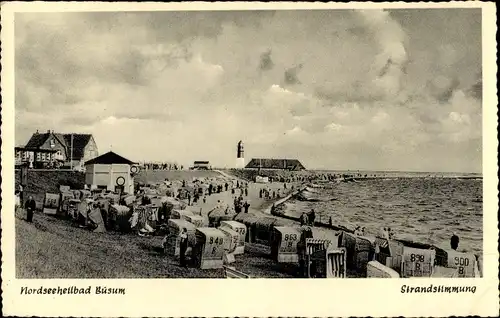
(249, 159)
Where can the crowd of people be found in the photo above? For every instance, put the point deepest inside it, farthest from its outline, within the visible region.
(161, 166)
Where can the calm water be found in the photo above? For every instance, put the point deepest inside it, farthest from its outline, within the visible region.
(426, 210)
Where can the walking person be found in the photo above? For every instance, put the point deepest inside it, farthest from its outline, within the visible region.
(454, 242)
(312, 217)
(30, 209)
(183, 237)
(247, 205)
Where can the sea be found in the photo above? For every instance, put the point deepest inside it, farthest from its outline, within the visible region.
(422, 207)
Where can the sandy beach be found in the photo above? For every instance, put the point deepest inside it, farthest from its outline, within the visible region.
(259, 206)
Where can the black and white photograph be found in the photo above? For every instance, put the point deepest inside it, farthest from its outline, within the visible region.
(257, 143)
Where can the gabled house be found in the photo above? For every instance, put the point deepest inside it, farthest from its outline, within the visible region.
(69, 149)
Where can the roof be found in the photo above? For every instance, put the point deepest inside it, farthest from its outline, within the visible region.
(37, 140)
(109, 158)
(210, 231)
(80, 141)
(233, 223)
(292, 164)
(201, 162)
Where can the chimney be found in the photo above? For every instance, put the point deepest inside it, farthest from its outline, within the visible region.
(37, 131)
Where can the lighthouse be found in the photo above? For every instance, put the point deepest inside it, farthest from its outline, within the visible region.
(240, 156)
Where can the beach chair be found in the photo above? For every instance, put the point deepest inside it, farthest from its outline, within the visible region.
(324, 260)
(231, 272)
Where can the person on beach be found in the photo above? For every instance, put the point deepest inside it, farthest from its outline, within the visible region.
(303, 219)
(210, 189)
(306, 233)
(454, 242)
(384, 233)
(284, 185)
(246, 206)
(232, 190)
(274, 194)
(357, 231)
(237, 184)
(312, 217)
(226, 185)
(260, 193)
(189, 198)
(236, 205)
(390, 233)
(30, 209)
(246, 192)
(183, 247)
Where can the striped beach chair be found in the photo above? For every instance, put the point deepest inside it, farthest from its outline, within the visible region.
(231, 272)
(336, 263)
(330, 262)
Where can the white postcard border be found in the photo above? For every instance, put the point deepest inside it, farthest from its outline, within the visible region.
(258, 297)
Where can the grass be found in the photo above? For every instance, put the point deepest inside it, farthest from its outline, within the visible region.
(43, 181)
(54, 248)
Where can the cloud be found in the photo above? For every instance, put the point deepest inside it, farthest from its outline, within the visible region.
(395, 86)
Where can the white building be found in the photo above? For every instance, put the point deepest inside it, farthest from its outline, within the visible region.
(111, 172)
(240, 156)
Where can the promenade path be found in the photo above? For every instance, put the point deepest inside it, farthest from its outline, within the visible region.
(259, 206)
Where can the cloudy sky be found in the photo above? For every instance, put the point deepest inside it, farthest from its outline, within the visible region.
(339, 89)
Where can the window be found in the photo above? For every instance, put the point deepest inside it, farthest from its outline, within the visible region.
(42, 155)
(38, 156)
